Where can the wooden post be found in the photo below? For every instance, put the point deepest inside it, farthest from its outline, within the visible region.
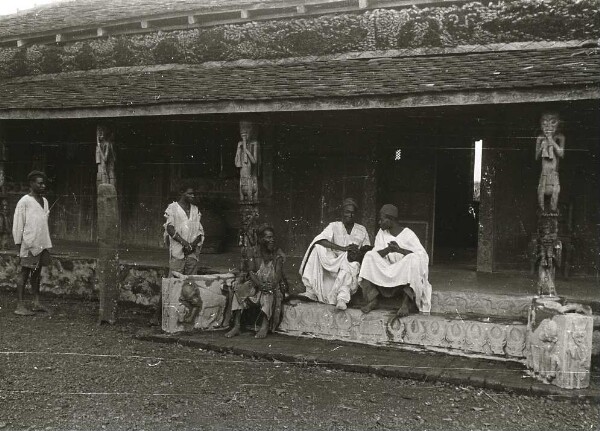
(485, 246)
(108, 259)
(3, 160)
(108, 225)
(369, 211)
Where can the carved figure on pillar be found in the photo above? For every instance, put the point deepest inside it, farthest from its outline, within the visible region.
(246, 158)
(248, 238)
(549, 147)
(105, 156)
(547, 254)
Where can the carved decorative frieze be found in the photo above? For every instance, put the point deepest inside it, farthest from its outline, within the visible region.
(381, 327)
(459, 304)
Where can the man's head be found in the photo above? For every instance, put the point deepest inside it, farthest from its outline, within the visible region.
(266, 236)
(388, 216)
(349, 207)
(187, 193)
(37, 182)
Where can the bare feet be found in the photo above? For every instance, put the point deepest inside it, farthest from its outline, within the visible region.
(234, 331)
(341, 305)
(21, 310)
(264, 328)
(371, 305)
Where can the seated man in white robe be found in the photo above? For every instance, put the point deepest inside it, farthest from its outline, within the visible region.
(397, 263)
(326, 272)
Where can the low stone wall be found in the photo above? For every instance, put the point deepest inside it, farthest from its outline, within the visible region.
(70, 276)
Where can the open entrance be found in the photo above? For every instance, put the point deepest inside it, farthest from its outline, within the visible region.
(457, 204)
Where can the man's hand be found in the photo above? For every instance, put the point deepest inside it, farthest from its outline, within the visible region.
(395, 248)
(187, 247)
(350, 247)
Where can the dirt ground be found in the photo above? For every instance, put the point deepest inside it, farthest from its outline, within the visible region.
(60, 371)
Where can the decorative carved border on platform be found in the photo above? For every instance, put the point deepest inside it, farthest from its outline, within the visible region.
(460, 303)
(381, 327)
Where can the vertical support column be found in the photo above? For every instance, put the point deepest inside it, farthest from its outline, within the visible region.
(5, 216)
(3, 160)
(246, 159)
(485, 246)
(369, 212)
(108, 259)
(108, 225)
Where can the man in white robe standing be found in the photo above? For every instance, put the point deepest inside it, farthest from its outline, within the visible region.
(398, 262)
(327, 274)
(32, 239)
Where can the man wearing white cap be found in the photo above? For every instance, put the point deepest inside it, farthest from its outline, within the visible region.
(326, 272)
(398, 262)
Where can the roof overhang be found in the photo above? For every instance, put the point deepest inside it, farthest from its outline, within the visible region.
(485, 75)
(470, 98)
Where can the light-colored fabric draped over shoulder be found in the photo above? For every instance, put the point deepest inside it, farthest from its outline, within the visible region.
(326, 272)
(397, 269)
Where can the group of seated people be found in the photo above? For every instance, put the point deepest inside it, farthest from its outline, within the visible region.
(340, 259)
(337, 262)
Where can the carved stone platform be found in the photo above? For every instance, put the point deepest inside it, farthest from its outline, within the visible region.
(210, 289)
(494, 338)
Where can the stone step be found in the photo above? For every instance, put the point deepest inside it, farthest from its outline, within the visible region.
(488, 337)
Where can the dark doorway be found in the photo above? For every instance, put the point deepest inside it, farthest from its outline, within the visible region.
(456, 207)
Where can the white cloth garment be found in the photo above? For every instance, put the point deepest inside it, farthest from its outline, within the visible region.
(30, 226)
(397, 269)
(187, 227)
(327, 274)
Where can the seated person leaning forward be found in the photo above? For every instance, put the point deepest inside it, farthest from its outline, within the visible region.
(327, 273)
(263, 286)
(397, 263)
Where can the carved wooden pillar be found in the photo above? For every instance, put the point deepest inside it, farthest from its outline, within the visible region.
(108, 259)
(105, 155)
(108, 225)
(247, 160)
(485, 247)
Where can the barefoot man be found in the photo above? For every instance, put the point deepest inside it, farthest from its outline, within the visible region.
(32, 238)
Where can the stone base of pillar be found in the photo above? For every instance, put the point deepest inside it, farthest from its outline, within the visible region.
(559, 342)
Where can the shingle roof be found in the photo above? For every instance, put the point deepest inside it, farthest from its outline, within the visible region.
(303, 79)
(74, 13)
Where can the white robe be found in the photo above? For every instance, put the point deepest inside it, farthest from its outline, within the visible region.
(397, 269)
(30, 226)
(187, 227)
(326, 273)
